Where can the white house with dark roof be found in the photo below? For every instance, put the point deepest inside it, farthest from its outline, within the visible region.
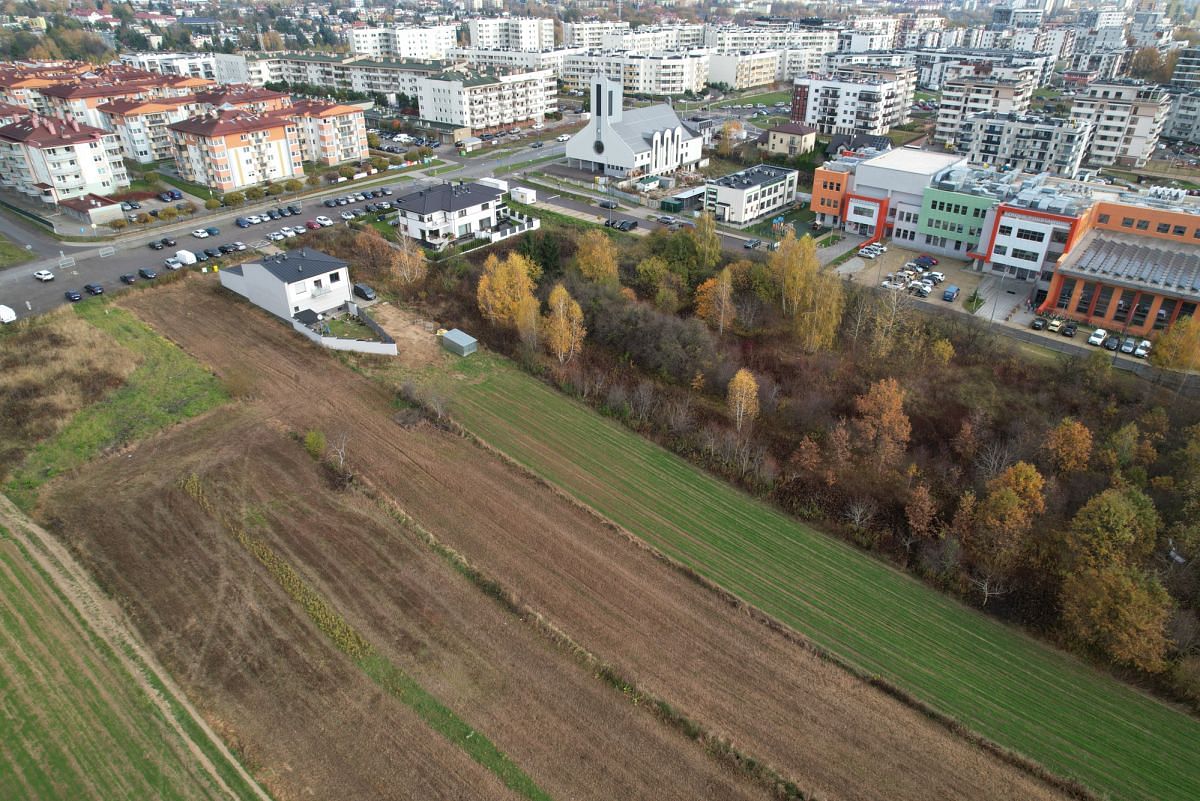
(448, 211)
(627, 143)
(298, 283)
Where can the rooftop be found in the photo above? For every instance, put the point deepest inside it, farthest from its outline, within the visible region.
(447, 197)
(229, 121)
(39, 131)
(793, 128)
(1138, 262)
(298, 265)
(914, 160)
(758, 175)
(637, 125)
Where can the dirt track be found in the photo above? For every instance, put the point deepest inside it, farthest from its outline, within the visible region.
(832, 734)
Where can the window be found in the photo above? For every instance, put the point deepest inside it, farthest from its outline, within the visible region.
(1162, 228)
(1103, 219)
(1102, 301)
(1064, 296)
(1032, 236)
(862, 211)
(1164, 314)
(335, 277)
(1005, 230)
(1024, 255)
(1178, 230)
(1085, 298)
(1000, 250)
(1142, 310)
(1143, 225)
(1127, 222)
(1122, 312)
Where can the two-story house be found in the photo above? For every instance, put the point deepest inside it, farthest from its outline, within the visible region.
(302, 283)
(447, 212)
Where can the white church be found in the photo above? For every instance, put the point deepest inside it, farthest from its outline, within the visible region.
(629, 143)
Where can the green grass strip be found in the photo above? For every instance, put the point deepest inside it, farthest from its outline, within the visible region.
(381, 670)
(1009, 687)
(168, 386)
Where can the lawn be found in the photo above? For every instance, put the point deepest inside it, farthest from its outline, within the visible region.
(77, 725)
(12, 254)
(195, 190)
(766, 98)
(520, 165)
(444, 168)
(799, 218)
(167, 386)
(351, 328)
(1011, 688)
(900, 138)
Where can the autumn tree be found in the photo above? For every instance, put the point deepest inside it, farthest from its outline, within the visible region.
(409, 264)
(650, 274)
(819, 314)
(789, 268)
(920, 511)
(1069, 446)
(706, 241)
(528, 323)
(1179, 348)
(743, 398)
(1002, 521)
(1120, 611)
(729, 130)
(596, 257)
(714, 301)
(395, 265)
(881, 427)
(562, 327)
(1118, 526)
(505, 283)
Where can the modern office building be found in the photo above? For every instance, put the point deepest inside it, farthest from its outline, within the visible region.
(748, 195)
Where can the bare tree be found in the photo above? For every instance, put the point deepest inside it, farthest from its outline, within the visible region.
(860, 512)
(643, 400)
(994, 458)
(892, 310)
(337, 450)
(988, 585)
(679, 415)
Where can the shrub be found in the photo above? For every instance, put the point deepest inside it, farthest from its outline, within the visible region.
(186, 208)
(347, 171)
(293, 185)
(331, 177)
(118, 225)
(212, 203)
(167, 214)
(312, 180)
(235, 199)
(255, 193)
(275, 189)
(144, 218)
(314, 443)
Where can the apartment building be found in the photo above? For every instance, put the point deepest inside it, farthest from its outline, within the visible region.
(330, 133)
(256, 99)
(1028, 143)
(744, 70)
(80, 100)
(339, 72)
(590, 35)
(654, 74)
(935, 66)
(627, 143)
(736, 38)
(852, 41)
(231, 149)
(1105, 65)
(1183, 120)
(654, 38)
(861, 103)
(973, 89)
(507, 60)
(920, 30)
(832, 62)
(483, 101)
(512, 33)
(1128, 118)
(55, 159)
(426, 43)
(1186, 74)
(748, 195)
(142, 125)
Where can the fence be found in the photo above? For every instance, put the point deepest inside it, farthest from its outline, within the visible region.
(385, 348)
(518, 224)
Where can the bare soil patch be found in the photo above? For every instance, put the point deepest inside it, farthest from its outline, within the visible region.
(834, 735)
(575, 736)
(416, 337)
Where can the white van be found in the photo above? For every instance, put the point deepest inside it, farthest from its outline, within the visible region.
(7, 315)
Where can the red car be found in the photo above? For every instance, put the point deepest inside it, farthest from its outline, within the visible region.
(925, 257)
(312, 225)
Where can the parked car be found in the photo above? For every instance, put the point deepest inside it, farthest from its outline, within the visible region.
(1143, 349)
(329, 203)
(629, 225)
(168, 241)
(1038, 323)
(44, 276)
(239, 245)
(93, 289)
(365, 292)
(386, 191)
(128, 278)
(752, 244)
(1054, 325)
(147, 273)
(73, 296)
(175, 194)
(200, 255)
(324, 221)
(155, 245)
(242, 222)
(1129, 345)
(212, 253)
(283, 212)
(562, 138)
(347, 215)
(226, 248)
(538, 144)
(1098, 336)
(607, 204)
(213, 230)
(867, 254)
(165, 197)
(1070, 328)
(1112, 343)
(951, 293)
(172, 263)
(294, 208)
(200, 233)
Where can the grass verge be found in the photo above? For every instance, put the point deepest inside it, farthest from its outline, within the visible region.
(166, 387)
(12, 254)
(380, 669)
(1015, 691)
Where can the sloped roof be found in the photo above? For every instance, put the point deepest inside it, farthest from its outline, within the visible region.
(447, 197)
(300, 265)
(637, 125)
(229, 121)
(1141, 262)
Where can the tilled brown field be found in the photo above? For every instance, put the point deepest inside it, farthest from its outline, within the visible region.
(831, 733)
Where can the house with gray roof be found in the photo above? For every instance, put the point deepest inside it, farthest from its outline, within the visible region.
(629, 143)
(445, 212)
(297, 284)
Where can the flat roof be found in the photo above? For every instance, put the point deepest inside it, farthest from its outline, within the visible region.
(1139, 262)
(913, 160)
(758, 175)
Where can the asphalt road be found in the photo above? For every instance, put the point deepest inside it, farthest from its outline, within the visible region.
(26, 295)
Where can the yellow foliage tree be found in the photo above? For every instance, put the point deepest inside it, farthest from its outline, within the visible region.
(562, 326)
(504, 285)
(1069, 446)
(596, 257)
(706, 241)
(743, 398)
(714, 301)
